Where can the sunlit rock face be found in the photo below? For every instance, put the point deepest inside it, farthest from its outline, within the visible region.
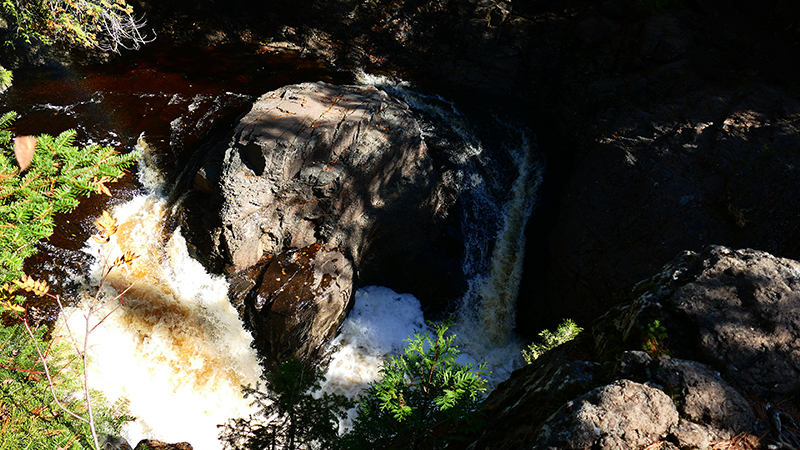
(344, 166)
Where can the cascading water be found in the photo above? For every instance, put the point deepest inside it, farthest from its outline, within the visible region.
(177, 351)
(175, 347)
(497, 203)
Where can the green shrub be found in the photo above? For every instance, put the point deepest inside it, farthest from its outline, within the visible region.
(655, 340)
(105, 24)
(423, 400)
(6, 78)
(565, 332)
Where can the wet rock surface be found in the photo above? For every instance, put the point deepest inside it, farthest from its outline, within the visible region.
(724, 365)
(294, 302)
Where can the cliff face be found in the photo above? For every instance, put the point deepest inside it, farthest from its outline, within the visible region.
(722, 334)
(665, 129)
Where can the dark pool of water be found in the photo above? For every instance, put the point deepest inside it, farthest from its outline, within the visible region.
(179, 97)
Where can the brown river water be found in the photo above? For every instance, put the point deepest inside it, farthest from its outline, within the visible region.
(178, 97)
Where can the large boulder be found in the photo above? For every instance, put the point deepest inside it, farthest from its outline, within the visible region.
(720, 329)
(735, 310)
(621, 416)
(344, 166)
(331, 183)
(294, 302)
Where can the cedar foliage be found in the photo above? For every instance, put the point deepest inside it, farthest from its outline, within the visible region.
(58, 176)
(424, 399)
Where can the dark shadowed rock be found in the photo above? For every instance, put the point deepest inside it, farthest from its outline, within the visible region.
(726, 322)
(735, 310)
(703, 397)
(716, 167)
(534, 392)
(111, 442)
(294, 302)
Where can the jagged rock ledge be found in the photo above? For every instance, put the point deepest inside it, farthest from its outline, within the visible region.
(726, 370)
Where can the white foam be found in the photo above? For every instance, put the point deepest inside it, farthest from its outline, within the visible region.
(495, 217)
(176, 348)
(376, 327)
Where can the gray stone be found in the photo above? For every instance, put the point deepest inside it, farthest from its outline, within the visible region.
(294, 302)
(623, 415)
(344, 166)
(704, 397)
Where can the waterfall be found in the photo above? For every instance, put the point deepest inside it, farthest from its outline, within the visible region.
(175, 348)
(497, 200)
(487, 311)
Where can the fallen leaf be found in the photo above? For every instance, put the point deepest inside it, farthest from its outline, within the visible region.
(23, 150)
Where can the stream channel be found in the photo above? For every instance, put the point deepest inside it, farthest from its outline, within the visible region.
(177, 350)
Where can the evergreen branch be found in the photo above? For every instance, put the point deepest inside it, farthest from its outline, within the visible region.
(59, 174)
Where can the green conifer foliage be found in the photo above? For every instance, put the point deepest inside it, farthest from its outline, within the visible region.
(423, 400)
(30, 417)
(58, 175)
(567, 331)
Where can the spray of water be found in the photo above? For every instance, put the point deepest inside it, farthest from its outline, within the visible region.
(496, 211)
(487, 312)
(175, 348)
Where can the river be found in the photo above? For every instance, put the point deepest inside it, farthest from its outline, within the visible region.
(177, 350)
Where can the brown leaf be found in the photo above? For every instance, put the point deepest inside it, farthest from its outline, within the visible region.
(23, 150)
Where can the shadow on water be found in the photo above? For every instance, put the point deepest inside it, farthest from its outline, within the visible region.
(179, 97)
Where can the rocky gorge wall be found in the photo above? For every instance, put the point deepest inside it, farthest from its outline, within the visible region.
(722, 335)
(665, 130)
